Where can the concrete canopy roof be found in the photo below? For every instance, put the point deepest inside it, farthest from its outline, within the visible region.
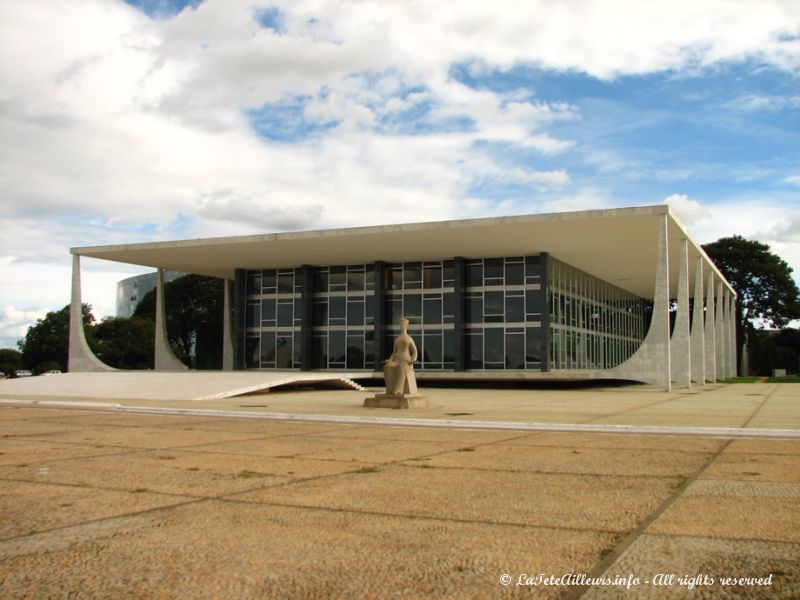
(617, 245)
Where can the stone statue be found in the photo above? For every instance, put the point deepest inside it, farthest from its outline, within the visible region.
(398, 372)
(398, 369)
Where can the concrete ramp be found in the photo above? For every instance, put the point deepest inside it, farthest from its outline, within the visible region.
(153, 385)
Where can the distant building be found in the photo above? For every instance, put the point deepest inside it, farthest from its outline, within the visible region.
(130, 291)
(577, 295)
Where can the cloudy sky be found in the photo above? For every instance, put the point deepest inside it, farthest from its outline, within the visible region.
(149, 120)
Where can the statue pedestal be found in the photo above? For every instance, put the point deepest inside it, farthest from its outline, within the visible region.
(396, 401)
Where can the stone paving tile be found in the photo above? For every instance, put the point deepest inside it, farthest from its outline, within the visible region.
(424, 434)
(764, 446)
(747, 510)
(638, 442)
(690, 557)
(673, 420)
(37, 506)
(24, 450)
(755, 467)
(10, 413)
(604, 461)
(169, 472)
(144, 437)
(231, 550)
(329, 448)
(571, 501)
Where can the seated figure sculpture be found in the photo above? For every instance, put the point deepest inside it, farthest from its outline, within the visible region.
(398, 369)
(398, 372)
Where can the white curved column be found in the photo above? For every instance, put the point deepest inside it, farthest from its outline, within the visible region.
(698, 339)
(80, 358)
(710, 333)
(165, 359)
(227, 317)
(680, 343)
(719, 333)
(652, 362)
(732, 370)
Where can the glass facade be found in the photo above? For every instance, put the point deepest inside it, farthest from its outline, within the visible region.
(504, 305)
(343, 317)
(593, 324)
(274, 309)
(423, 293)
(530, 313)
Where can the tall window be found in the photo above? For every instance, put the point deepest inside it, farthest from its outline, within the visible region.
(344, 317)
(504, 301)
(594, 324)
(272, 319)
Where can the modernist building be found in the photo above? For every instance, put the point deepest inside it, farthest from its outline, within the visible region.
(131, 290)
(576, 295)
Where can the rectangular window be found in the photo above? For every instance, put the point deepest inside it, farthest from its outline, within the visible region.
(448, 273)
(515, 351)
(432, 350)
(412, 276)
(285, 313)
(475, 274)
(337, 349)
(285, 282)
(515, 274)
(355, 351)
(268, 312)
(269, 281)
(449, 348)
(432, 276)
(253, 314)
(412, 306)
(252, 352)
(432, 310)
(493, 351)
(253, 283)
(337, 279)
(515, 307)
(474, 307)
(319, 351)
(337, 310)
(355, 311)
(493, 308)
(493, 271)
(355, 280)
(475, 341)
(283, 352)
(268, 348)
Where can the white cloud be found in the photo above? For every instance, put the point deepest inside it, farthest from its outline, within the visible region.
(115, 127)
(687, 210)
(14, 324)
(793, 179)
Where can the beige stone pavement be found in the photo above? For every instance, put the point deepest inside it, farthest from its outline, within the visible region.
(97, 502)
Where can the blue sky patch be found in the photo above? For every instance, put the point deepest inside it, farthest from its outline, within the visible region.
(163, 9)
(271, 18)
(285, 121)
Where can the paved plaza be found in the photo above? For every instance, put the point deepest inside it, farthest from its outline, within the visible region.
(97, 501)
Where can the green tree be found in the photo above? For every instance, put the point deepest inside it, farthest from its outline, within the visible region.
(125, 343)
(775, 350)
(194, 306)
(10, 360)
(763, 283)
(45, 343)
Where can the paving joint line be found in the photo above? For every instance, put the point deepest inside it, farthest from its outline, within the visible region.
(726, 432)
(601, 567)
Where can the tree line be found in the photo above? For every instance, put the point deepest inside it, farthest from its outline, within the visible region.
(194, 306)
